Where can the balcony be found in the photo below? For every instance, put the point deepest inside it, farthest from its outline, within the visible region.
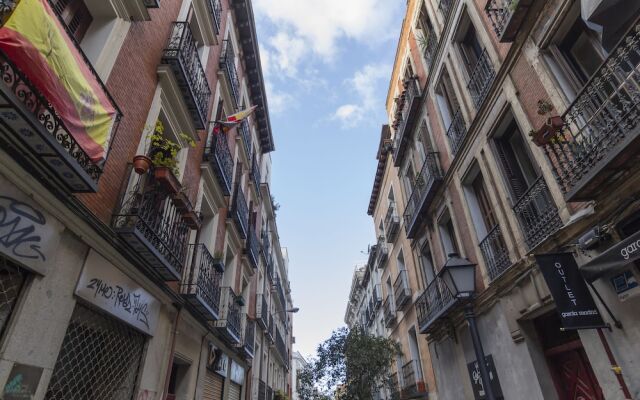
(412, 381)
(269, 393)
(230, 323)
(245, 135)
(201, 285)
(255, 173)
(153, 226)
(240, 212)
(36, 134)
(431, 46)
(481, 79)
(392, 222)
(445, 7)
(262, 312)
(424, 189)
(457, 131)
(215, 7)
(376, 297)
(220, 159)
(601, 135)
(435, 302)
(394, 383)
(262, 390)
(406, 119)
(277, 287)
(506, 17)
(402, 290)
(181, 55)
(495, 253)
(252, 249)
(389, 311)
(228, 66)
(270, 331)
(382, 253)
(266, 248)
(537, 213)
(281, 348)
(248, 339)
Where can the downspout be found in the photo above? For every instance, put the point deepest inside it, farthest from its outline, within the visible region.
(173, 345)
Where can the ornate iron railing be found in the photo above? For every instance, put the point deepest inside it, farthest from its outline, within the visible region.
(215, 7)
(506, 17)
(430, 46)
(382, 252)
(434, 302)
(457, 131)
(281, 347)
(249, 337)
(262, 311)
(423, 189)
(406, 118)
(230, 316)
(481, 79)
(445, 7)
(219, 156)
(600, 123)
(253, 248)
(391, 222)
(181, 53)
(495, 253)
(376, 296)
(389, 310)
(245, 134)
(537, 213)
(255, 173)
(270, 332)
(228, 65)
(277, 286)
(266, 247)
(412, 382)
(150, 222)
(401, 289)
(240, 212)
(201, 285)
(408, 375)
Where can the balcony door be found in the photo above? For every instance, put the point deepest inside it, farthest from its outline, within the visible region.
(75, 15)
(517, 166)
(446, 99)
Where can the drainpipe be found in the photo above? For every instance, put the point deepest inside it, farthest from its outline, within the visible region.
(174, 333)
(617, 370)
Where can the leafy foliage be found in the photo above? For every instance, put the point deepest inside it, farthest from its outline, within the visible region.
(350, 365)
(164, 152)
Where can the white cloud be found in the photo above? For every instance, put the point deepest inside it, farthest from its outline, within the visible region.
(349, 115)
(287, 52)
(279, 101)
(322, 24)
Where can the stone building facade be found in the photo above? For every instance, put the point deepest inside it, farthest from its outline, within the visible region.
(512, 129)
(164, 283)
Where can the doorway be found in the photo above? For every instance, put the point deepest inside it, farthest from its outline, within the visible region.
(568, 363)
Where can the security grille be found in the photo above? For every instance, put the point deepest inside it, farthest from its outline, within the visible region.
(99, 360)
(11, 281)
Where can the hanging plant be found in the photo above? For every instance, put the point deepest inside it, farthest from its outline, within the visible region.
(164, 152)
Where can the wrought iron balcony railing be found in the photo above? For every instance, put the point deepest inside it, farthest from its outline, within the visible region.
(201, 285)
(270, 270)
(153, 226)
(245, 135)
(424, 188)
(506, 17)
(255, 173)
(601, 133)
(269, 393)
(412, 382)
(262, 312)
(270, 334)
(281, 347)
(457, 131)
(391, 222)
(228, 65)
(394, 384)
(240, 212)
(181, 55)
(495, 253)
(262, 390)
(402, 290)
(537, 213)
(249, 338)
(481, 79)
(389, 311)
(376, 296)
(252, 248)
(445, 7)
(382, 252)
(435, 302)
(215, 7)
(266, 248)
(219, 156)
(230, 322)
(406, 119)
(430, 45)
(277, 287)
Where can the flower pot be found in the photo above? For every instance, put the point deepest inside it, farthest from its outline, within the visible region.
(167, 179)
(549, 132)
(181, 202)
(141, 164)
(191, 219)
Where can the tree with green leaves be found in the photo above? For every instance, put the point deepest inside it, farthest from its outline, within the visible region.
(350, 365)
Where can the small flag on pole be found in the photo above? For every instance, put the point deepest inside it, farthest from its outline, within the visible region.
(233, 120)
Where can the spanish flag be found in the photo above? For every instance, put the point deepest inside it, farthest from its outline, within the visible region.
(233, 119)
(34, 39)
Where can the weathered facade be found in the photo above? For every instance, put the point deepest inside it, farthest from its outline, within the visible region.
(512, 130)
(164, 283)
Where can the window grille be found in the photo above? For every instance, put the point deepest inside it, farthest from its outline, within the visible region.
(99, 359)
(12, 280)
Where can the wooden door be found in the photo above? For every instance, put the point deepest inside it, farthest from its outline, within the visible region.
(572, 374)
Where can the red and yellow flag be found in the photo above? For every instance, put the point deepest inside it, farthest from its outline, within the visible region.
(36, 42)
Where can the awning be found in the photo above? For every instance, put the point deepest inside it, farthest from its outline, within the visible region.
(615, 258)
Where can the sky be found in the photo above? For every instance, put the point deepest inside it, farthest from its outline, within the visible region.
(327, 66)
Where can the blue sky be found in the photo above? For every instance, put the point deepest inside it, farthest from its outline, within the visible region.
(327, 67)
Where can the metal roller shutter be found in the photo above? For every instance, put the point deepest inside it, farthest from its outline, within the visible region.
(213, 384)
(234, 391)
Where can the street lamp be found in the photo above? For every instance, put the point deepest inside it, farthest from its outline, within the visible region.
(291, 310)
(459, 275)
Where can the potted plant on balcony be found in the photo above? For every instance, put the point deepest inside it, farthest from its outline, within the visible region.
(164, 156)
(551, 131)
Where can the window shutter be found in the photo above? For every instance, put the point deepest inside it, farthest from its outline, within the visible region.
(511, 170)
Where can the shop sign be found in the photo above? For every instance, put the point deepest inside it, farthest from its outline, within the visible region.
(237, 373)
(625, 285)
(28, 235)
(22, 383)
(479, 391)
(217, 361)
(613, 259)
(569, 291)
(106, 287)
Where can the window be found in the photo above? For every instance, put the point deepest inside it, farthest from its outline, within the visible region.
(75, 15)
(518, 169)
(409, 179)
(401, 265)
(446, 99)
(427, 271)
(198, 39)
(469, 44)
(448, 234)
